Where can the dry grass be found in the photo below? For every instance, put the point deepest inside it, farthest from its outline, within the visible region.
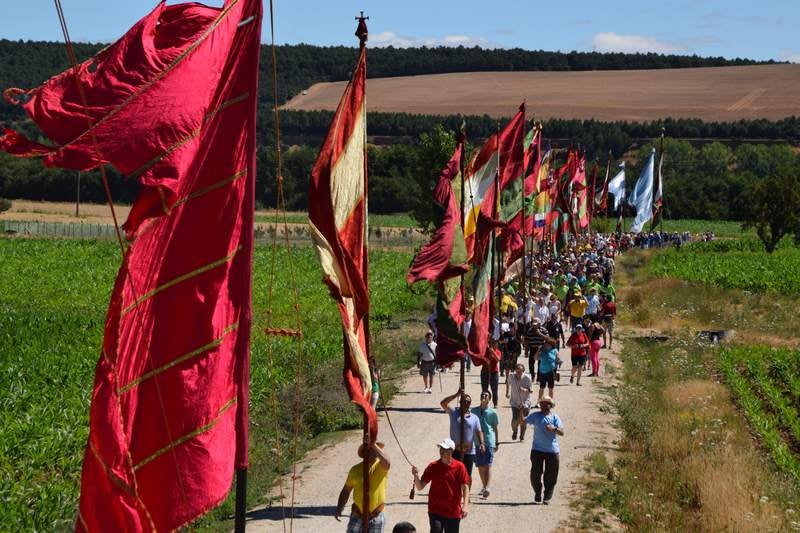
(722, 470)
(715, 94)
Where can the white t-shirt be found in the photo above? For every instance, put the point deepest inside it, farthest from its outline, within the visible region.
(515, 386)
(427, 351)
(541, 312)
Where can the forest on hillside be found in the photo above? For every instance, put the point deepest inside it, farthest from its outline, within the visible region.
(703, 182)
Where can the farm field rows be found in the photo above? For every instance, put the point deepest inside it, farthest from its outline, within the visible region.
(766, 383)
(740, 268)
(53, 298)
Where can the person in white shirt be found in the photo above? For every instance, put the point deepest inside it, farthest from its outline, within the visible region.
(541, 310)
(519, 383)
(426, 361)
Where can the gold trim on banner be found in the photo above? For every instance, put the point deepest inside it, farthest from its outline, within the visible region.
(118, 481)
(188, 436)
(191, 196)
(193, 134)
(179, 279)
(157, 77)
(147, 375)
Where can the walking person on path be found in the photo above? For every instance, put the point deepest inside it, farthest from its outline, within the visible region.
(378, 471)
(465, 450)
(579, 343)
(608, 310)
(426, 361)
(577, 309)
(520, 384)
(544, 450)
(448, 499)
(596, 333)
(548, 362)
(490, 371)
(489, 421)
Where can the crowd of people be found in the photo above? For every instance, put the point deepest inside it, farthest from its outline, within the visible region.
(564, 302)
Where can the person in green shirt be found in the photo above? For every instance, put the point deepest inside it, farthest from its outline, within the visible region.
(609, 291)
(561, 290)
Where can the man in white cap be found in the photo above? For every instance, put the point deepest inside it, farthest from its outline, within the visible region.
(544, 450)
(448, 499)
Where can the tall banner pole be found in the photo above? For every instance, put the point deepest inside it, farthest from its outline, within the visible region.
(462, 167)
(661, 181)
(362, 34)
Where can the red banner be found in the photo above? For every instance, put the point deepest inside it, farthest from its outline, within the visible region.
(337, 199)
(171, 103)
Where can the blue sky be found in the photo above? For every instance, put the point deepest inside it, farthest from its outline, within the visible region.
(730, 28)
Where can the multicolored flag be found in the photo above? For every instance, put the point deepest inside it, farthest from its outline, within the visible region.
(482, 286)
(445, 255)
(337, 214)
(642, 196)
(172, 103)
(501, 158)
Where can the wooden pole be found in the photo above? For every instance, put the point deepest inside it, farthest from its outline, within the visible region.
(78, 196)
(661, 181)
(362, 34)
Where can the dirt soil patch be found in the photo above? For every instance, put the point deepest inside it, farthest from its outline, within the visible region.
(709, 93)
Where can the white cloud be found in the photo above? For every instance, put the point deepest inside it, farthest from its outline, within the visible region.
(389, 38)
(613, 42)
(792, 56)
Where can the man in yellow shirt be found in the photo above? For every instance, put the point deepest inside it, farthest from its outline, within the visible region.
(378, 471)
(577, 309)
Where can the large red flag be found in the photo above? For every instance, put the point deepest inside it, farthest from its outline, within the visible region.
(173, 104)
(482, 286)
(337, 213)
(445, 255)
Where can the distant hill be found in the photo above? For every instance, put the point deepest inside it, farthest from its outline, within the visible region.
(26, 64)
(722, 94)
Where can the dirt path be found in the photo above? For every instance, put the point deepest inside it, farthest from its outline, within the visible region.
(420, 424)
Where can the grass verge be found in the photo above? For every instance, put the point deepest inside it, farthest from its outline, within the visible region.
(53, 297)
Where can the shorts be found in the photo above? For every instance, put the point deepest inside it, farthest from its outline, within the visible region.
(578, 360)
(608, 322)
(546, 380)
(523, 410)
(427, 368)
(486, 458)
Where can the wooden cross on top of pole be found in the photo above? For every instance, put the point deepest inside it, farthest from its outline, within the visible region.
(361, 31)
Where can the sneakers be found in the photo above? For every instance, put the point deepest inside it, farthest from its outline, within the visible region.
(546, 502)
(429, 391)
(484, 492)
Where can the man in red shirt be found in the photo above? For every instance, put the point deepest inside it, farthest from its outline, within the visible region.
(608, 310)
(448, 499)
(579, 343)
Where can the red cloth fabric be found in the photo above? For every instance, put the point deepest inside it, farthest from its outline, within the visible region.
(450, 342)
(173, 104)
(337, 198)
(444, 496)
(579, 343)
(609, 308)
(444, 256)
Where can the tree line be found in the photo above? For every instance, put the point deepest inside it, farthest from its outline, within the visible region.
(26, 64)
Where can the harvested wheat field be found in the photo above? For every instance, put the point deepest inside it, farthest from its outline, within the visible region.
(713, 94)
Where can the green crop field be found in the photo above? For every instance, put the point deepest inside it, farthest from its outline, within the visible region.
(394, 220)
(734, 265)
(53, 298)
(766, 383)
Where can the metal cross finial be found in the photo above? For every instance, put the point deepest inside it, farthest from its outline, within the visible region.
(362, 32)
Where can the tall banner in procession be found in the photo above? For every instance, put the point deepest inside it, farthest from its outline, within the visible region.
(658, 199)
(172, 103)
(337, 214)
(642, 195)
(443, 260)
(498, 163)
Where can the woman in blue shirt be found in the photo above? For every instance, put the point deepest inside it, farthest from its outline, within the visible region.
(544, 451)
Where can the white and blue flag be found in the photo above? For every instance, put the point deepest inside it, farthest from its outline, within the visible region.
(617, 186)
(642, 196)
